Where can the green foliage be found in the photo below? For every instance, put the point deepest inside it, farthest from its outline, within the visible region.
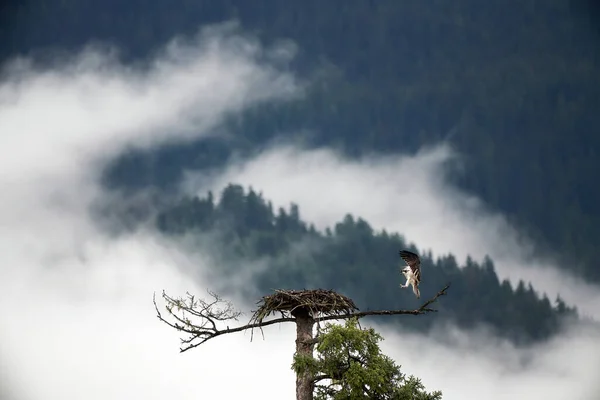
(303, 363)
(350, 365)
(361, 263)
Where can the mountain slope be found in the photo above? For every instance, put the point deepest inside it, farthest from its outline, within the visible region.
(512, 84)
(357, 261)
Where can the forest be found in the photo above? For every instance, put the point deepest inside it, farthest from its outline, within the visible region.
(511, 85)
(359, 262)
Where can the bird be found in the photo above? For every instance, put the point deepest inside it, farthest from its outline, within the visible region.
(412, 271)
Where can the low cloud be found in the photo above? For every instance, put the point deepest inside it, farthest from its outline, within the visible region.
(87, 328)
(476, 365)
(91, 101)
(409, 194)
(77, 300)
(78, 320)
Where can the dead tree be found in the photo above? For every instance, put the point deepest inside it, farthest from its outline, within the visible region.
(203, 320)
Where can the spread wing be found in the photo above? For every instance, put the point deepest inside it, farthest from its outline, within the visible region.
(413, 261)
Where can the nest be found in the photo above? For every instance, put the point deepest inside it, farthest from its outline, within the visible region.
(315, 302)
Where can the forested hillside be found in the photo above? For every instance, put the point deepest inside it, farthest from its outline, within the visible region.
(363, 264)
(514, 85)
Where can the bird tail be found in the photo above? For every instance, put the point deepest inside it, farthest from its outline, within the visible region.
(416, 291)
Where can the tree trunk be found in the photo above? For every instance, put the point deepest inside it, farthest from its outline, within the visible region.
(304, 345)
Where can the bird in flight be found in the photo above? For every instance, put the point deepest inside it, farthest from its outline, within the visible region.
(412, 271)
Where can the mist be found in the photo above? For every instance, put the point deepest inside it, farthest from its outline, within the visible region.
(78, 320)
(409, 194)
(476, 365)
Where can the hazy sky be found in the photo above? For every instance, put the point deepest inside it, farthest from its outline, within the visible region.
(78, 320)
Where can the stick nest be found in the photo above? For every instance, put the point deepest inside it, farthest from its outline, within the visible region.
(317, 301)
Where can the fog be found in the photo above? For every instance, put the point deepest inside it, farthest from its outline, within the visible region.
(78, 320)
(409, 194)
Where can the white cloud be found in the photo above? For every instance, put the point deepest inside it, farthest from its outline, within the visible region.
(405, 194)
(410, 195)
(78, 320)
(93, 101)
(88, 329)
(479, 366)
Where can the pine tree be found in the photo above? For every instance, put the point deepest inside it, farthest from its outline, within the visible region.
(350, 365)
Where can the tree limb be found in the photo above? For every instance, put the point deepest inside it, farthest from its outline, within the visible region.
(208, 313)
(424, 309)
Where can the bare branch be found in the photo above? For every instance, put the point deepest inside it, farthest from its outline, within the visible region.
(207, 315)
(423, 309)
(434, 298)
